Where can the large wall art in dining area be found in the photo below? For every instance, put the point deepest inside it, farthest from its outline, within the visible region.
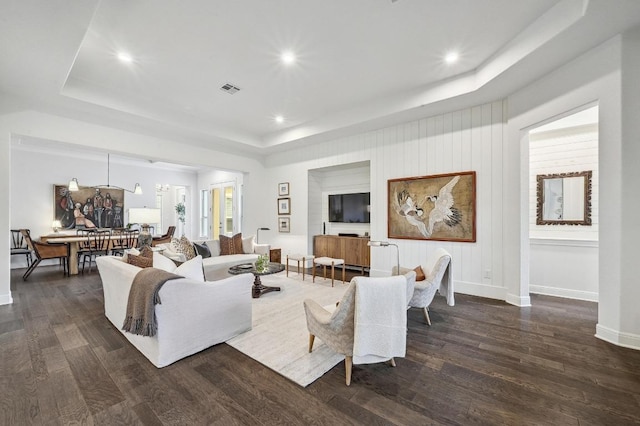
(438, 207)
(89, 207)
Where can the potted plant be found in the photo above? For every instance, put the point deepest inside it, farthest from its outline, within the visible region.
(180, 209)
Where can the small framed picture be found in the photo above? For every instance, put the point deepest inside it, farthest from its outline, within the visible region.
(284, 205)
(283, 188)
(284, 224)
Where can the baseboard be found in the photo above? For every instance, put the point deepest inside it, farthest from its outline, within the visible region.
(520, 301)
(6, 299)
(480, 290)
(563, 292)
(626, 340)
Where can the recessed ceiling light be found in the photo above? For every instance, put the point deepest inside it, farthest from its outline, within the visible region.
(125, 57)
(451, 58)
(279, 119)
(288, 57)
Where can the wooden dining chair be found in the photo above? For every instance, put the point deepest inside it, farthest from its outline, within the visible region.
(19, 246)
(123, 239)
(44, 251)
(97, 244)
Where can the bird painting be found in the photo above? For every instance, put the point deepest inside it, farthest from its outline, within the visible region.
(443, 209)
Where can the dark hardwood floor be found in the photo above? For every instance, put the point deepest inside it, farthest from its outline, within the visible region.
(481, 362)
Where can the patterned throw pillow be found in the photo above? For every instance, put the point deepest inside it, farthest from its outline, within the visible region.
(184, 246)
(231, 245)
(143, 260)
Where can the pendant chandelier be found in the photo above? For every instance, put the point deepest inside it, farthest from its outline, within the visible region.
(74, 185)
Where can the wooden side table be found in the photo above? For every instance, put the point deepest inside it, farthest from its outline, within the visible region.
(275, 255)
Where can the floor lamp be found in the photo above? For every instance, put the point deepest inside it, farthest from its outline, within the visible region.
(387, 244)
(258, 233)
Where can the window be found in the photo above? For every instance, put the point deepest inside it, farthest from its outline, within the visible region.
(205, 208)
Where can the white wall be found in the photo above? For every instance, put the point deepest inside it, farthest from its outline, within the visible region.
(564, 268)
(470, 139)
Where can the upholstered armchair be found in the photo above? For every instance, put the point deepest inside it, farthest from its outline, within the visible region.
(349, 329)
(437, 271)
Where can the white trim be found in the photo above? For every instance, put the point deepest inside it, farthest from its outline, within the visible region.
(563, 292)
(626, 340)
(6, 299)
(481, 290)
(520, 301)
(563, 242)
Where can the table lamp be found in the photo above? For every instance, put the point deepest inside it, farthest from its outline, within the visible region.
(144, 216)
(387, 244)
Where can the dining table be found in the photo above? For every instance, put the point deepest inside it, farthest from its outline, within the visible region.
(74, 245)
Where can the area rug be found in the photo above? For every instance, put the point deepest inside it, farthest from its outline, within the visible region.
(279, 338)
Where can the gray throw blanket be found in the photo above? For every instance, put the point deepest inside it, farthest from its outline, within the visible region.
(143, 298)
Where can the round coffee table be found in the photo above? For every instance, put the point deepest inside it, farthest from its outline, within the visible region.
(258, 289)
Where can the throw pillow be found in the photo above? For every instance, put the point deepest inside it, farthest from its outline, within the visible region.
(202, 250)
(191, 269)
(127, 252)
(419, 273)
(143, 260)
(247, 244)
(161, 261)
(214, 247)
(231, 245)
(184, 246)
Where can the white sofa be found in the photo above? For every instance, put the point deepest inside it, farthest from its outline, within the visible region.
(216, 266)
(193, 315)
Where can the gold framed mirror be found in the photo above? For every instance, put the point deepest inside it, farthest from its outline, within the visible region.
(564, 199)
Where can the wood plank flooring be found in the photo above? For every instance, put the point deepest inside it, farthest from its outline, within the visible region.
(481, 362)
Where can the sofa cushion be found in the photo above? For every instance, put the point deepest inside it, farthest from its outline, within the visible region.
(247, 244)
(202, 249)
(184, 246)
(231, 245)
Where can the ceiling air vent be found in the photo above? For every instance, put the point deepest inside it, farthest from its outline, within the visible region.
(230, 88)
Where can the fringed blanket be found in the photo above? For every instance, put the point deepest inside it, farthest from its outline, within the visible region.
(143, 298)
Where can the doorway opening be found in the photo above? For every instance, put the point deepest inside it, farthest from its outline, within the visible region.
(563, 206)
(224, 210)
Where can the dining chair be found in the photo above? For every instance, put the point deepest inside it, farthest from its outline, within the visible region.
(96, 244)
(44, 251)
(123, 239)
(19, 246)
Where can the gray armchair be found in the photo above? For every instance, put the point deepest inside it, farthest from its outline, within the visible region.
(438, 276)
(338, 328)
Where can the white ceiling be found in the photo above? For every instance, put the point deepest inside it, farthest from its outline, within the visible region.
(361, 63)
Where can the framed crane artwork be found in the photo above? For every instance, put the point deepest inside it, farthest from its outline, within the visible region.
(437, 207)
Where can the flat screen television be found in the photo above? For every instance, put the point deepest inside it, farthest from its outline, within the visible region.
(349, 208)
